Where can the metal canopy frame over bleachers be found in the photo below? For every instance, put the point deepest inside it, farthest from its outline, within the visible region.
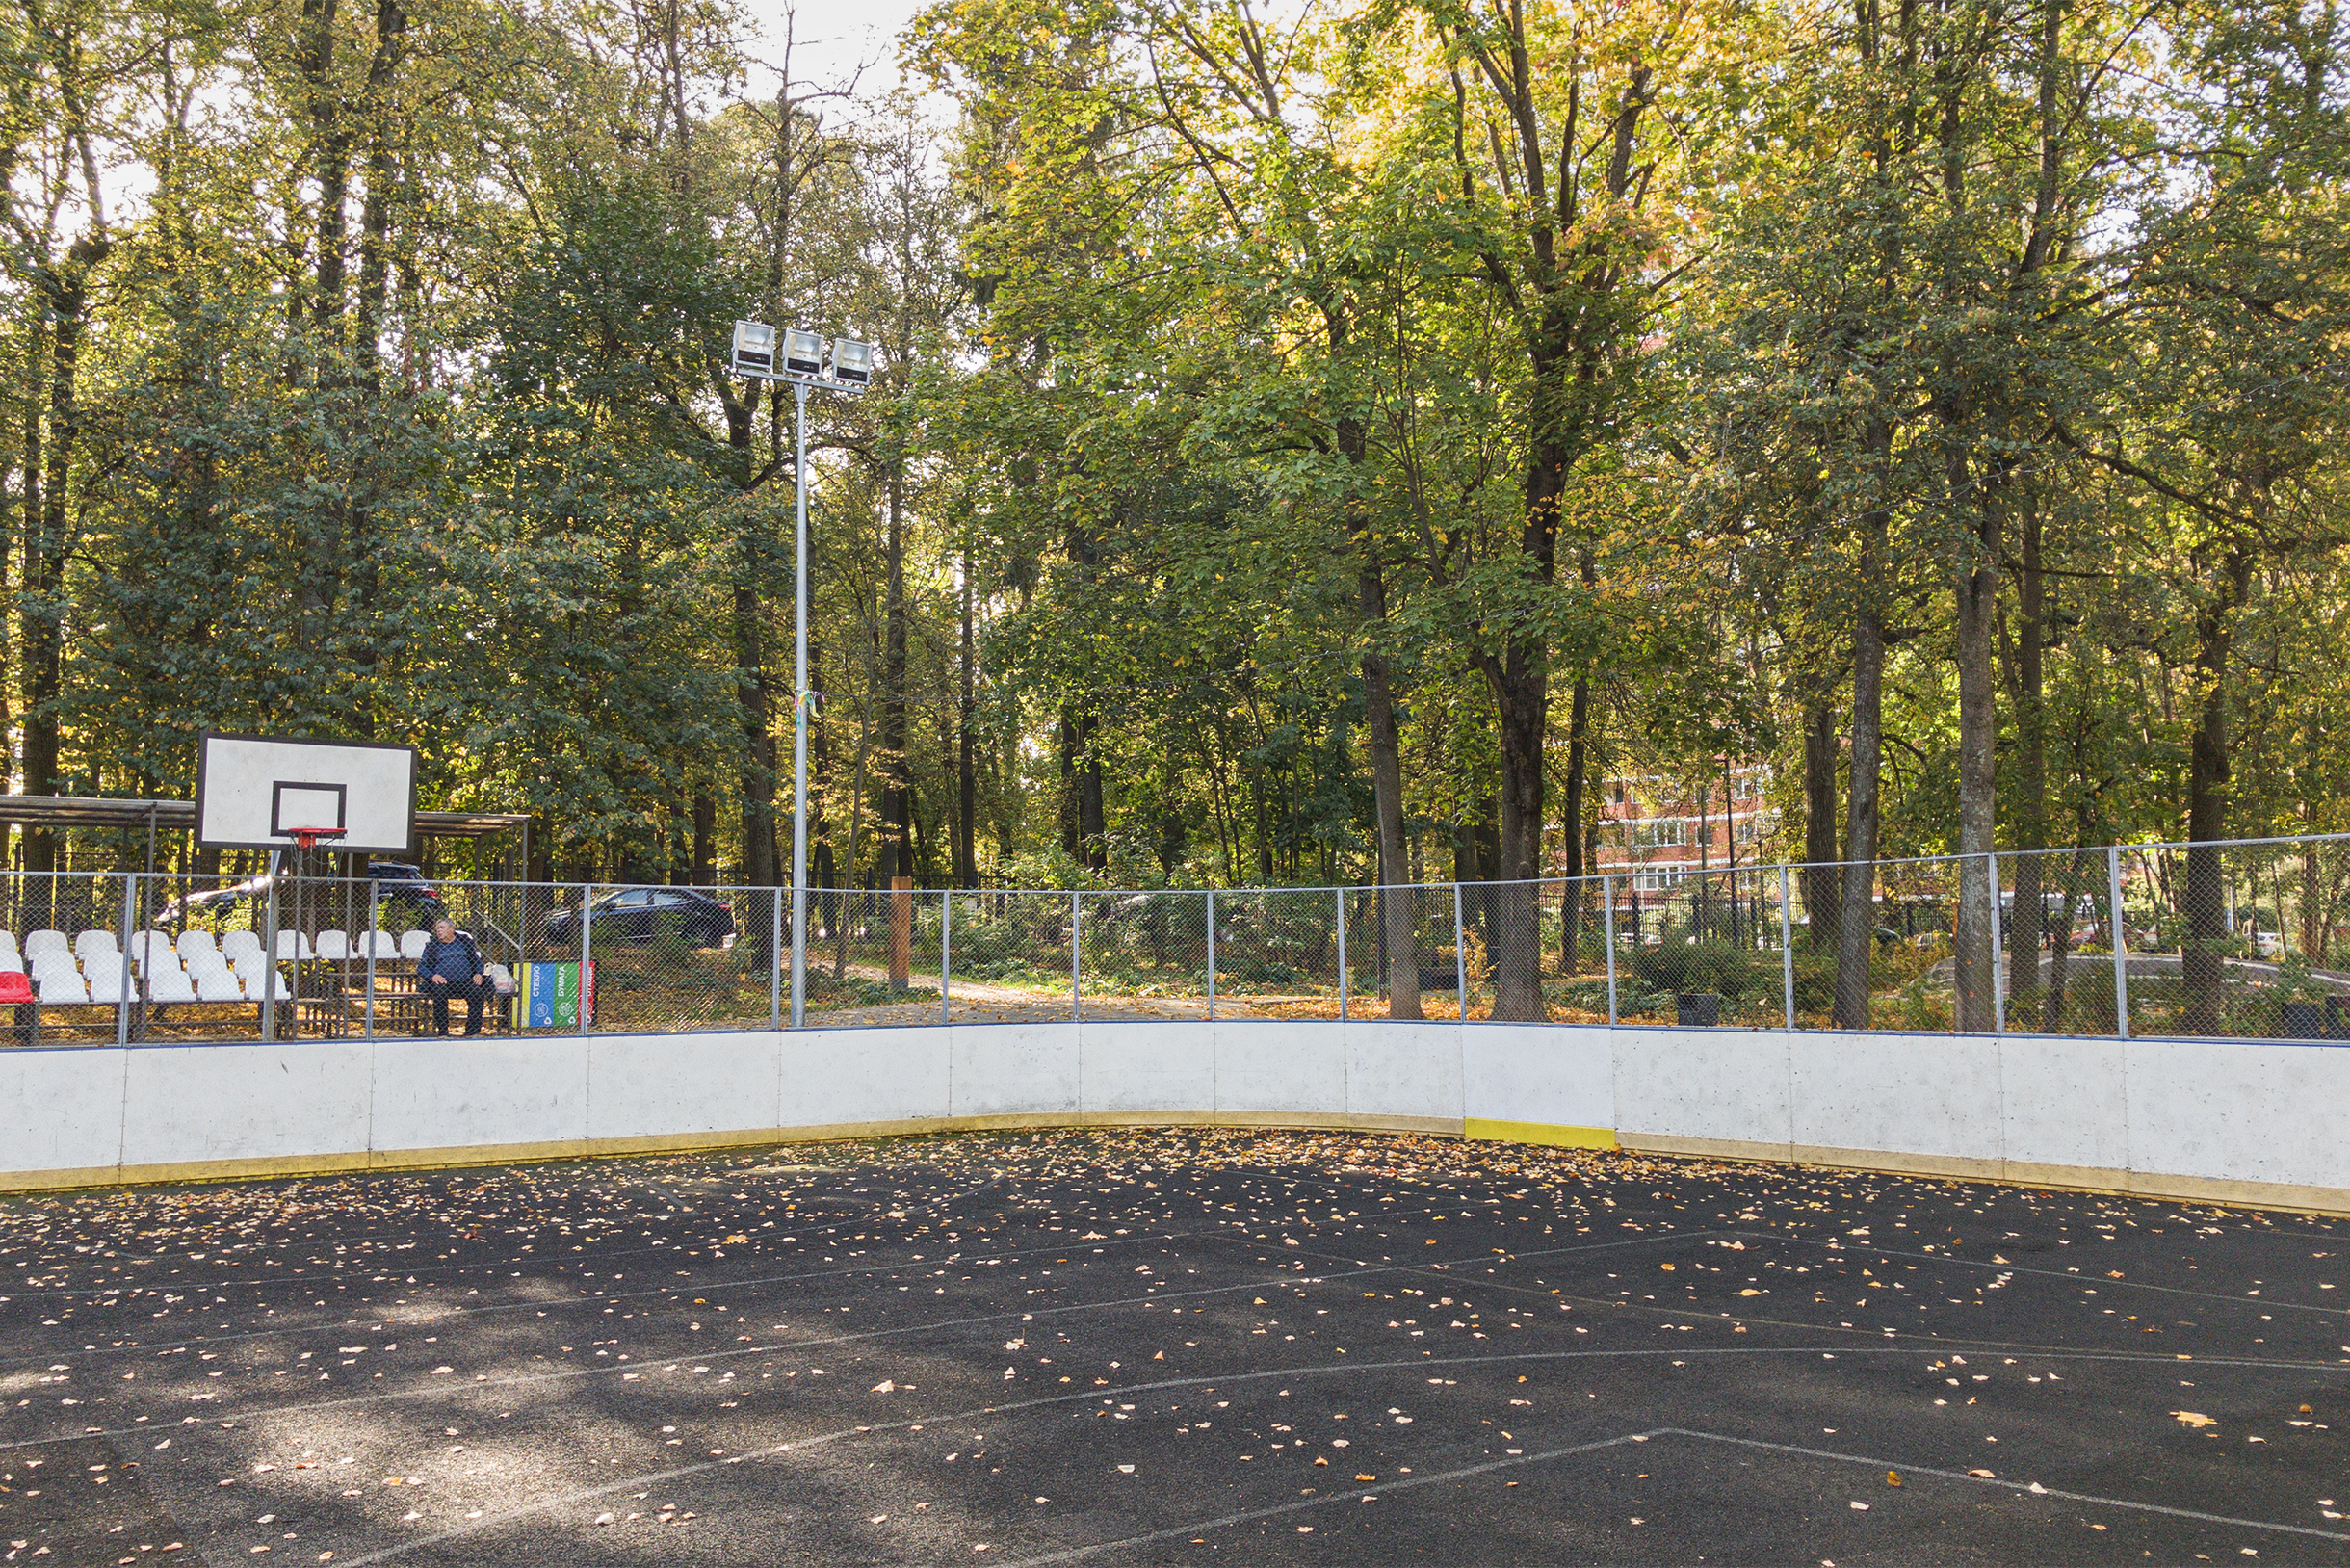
(59, 813)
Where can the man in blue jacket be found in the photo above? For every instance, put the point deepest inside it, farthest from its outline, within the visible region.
(451, 966)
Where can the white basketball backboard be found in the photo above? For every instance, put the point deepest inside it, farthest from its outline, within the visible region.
(256, 793)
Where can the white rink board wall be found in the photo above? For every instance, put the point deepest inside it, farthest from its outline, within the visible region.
(2203, 1120)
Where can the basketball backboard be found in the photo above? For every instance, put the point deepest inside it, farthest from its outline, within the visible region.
(256, 792)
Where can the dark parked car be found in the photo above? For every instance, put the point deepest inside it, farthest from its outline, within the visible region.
(398, 882)
(641, 914)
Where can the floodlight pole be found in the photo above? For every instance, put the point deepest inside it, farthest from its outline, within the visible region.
(799, 724)
(845, 365)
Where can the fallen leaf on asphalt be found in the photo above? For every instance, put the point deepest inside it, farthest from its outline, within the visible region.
(2193, 1418)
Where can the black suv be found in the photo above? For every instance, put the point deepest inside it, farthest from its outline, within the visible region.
(398, 882)
(641, 914)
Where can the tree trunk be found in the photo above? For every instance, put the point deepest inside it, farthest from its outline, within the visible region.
(1396, 898)
(1571, 814)
(47, 545)
(705, 839)
(756, 716)
(1523, 699)
(1080, 786)
(2026, 921)
(823, 872)
(1819, 888)
(376, 211)
(333, 170)
(2201, 962)
(896, 857)
(1856, 919)
(1973, 954)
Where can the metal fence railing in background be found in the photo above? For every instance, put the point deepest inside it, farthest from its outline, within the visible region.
(2241, 940)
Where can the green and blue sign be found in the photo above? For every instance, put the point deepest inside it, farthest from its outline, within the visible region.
(551, 995)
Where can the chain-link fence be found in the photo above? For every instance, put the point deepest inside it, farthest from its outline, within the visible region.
(2242, 940)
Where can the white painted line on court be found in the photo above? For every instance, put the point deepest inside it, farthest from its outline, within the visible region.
(803, 1444)
(1081, 1552)
(2026, 1488)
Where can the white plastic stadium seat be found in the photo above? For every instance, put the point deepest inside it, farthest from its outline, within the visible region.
(59, 980)
(107, 982)
(333, 944)
(192, 942)
(171, 984)
(93, 942)
(217, 985)
(46, 942)
(11, 963)
(236, 945)
(412, 945)
(384, 945)
(207, 961)
(258, 980)
(8, 943)
(152, 949)
(293, 947)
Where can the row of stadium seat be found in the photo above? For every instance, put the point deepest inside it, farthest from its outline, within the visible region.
(89, 970)
(102, 978)
(292, 946)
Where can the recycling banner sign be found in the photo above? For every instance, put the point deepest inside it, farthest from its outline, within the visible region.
(552, 995)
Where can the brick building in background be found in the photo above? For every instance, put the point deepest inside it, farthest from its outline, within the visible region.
(1659, 830)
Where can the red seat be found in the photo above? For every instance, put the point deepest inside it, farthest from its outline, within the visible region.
(14, 987)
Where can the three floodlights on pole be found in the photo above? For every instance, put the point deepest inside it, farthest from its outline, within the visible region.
(805, 359)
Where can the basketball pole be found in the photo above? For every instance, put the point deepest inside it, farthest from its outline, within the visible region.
(800, 722)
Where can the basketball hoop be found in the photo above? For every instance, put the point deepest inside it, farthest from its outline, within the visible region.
(307, 839)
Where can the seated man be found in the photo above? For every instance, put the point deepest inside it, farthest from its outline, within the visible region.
(451, 966)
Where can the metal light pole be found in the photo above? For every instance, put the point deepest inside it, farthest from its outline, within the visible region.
(799, 725)
(806, 362)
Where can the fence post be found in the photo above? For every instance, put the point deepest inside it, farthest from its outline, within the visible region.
(1076, 979)
(1340, 895)
(122, 1006)
(1460, 957)
(945, 951)
(774, 958)
(1211, 956)
(579, 1008)
(2121, 942)
(1786, 948)
(1608, 921)
(1998, 951)
(375, 915)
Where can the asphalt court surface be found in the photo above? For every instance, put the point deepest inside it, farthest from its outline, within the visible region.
(1165, 1347)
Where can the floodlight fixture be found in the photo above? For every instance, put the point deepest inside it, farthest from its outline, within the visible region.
(754, 348)
(852, 362)
(803, 352)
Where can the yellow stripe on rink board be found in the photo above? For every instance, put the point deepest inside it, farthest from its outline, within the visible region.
(1535, 1132)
